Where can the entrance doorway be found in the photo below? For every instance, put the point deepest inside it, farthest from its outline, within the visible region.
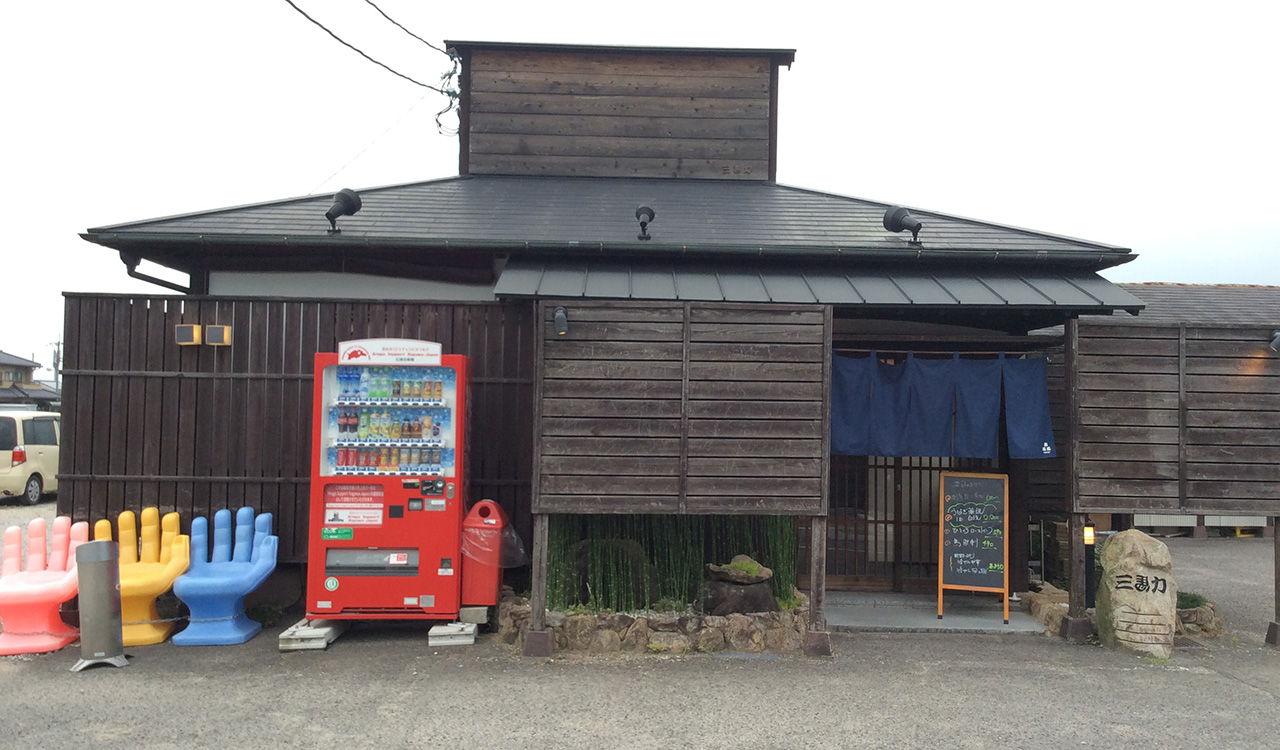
(882, 521)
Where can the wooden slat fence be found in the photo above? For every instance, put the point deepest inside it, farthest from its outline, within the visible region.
(199, 428)
(1177, 419)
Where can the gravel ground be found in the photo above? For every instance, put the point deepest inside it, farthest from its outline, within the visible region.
(379, 685)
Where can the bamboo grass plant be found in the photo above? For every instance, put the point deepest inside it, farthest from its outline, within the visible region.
(627, 563)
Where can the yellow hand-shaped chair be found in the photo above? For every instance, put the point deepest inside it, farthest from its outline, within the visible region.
(29, 599)
(146, 571)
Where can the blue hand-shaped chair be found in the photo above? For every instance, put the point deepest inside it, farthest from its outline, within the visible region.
(214, 587)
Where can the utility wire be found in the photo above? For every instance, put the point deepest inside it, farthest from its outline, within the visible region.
(402, 28)
(450, 94)
(350, 161)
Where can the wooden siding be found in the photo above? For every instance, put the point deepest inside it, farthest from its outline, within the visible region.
(683, 408)
(615, 114)
(1177, 419)
(199, 428)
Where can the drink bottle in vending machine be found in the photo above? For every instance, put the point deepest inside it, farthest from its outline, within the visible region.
(388, 481)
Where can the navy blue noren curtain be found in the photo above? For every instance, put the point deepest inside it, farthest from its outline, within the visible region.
(944, 407)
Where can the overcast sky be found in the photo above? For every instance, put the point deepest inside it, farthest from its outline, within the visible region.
(1149, 125)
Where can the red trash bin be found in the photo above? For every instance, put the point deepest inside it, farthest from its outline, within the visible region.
(481, 554)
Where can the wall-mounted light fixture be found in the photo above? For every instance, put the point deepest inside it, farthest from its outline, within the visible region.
(345, 203)
(187, 334)
(1275, 341)
(1090, 582)
(898, 218)
(644, 215)
(217, 335)
(562, 321)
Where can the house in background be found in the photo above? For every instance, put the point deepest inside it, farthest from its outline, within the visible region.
(20, 390)
(651, 316)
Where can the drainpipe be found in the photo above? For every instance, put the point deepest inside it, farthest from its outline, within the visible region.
(131, 261)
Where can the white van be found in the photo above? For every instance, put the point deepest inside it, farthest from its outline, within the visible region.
(29, 454)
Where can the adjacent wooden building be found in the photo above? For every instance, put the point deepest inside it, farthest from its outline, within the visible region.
(682, 366)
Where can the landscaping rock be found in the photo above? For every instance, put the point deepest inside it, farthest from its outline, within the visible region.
(579, 630)
(741, 634)
(689, 624)
(734, 575)
(664, 623)
(708, 640)
(606, 642)
(1137, 596)
(781, 639)
(675, 643)
(637, 636)
(722, 598)
(1202, 620)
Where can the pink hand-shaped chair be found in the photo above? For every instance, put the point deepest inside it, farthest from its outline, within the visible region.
(146, 571)
(29, 599)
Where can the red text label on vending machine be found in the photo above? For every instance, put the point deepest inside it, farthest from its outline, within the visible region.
(353, 505)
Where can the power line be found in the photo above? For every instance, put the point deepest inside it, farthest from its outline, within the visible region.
(410, 33)
(371, 143)
(450, 94)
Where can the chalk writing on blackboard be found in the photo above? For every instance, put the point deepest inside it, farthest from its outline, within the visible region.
(972, 530)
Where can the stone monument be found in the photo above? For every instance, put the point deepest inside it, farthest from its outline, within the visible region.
(1137, 597)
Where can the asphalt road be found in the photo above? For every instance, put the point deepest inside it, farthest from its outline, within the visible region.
(380, 686)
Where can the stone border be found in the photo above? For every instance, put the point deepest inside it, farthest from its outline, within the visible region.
(659, 633)
(1049, 607)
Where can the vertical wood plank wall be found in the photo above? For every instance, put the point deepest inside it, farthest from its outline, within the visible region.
(614, 114)
(683, 408)
(1177, 419)
(199, 428)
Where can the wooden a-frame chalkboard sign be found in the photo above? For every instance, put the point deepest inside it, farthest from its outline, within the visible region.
(973, 511)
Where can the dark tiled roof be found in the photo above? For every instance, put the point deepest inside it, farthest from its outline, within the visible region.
(1208, 304)
(807, 283)
(12, 361)
(17, 393)
(584, 216)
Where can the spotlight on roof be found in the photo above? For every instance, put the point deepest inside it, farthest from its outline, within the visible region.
(644, 215)
(345, 203)
(1275, 341)
(898, 218)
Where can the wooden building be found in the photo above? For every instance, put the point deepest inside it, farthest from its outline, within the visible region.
(1177, 414)
(688, 370)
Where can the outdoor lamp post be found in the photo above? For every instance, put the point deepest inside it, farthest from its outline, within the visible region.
(1090, 585)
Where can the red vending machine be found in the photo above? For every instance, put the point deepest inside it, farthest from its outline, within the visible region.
(388, 485)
